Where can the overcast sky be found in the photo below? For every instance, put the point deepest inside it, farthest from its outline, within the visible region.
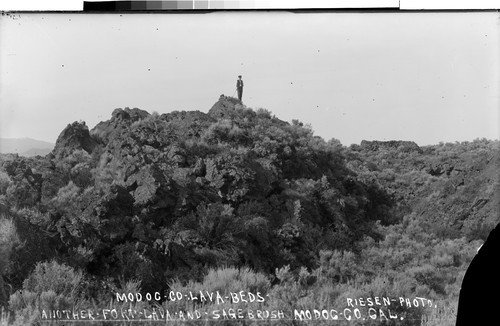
(426, 77)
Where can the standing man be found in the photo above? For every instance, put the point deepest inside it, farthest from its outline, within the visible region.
(239, 87)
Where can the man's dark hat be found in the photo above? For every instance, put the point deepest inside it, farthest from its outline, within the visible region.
(239, 76)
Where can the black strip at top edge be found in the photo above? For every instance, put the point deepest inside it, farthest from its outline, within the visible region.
(204, 11)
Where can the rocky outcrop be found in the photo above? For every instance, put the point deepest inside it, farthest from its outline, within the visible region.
(440, 169)
(74, 137)
(224, 107)
(29, 182)
(401, 145)
(134, 114)
(120, 122)
(230, 108)
(188, 123)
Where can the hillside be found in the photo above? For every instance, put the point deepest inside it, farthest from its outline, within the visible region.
(453, 188)
(25, 146)
(171, 200)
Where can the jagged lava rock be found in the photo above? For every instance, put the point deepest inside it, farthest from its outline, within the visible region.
(75, 136)
(232, 109)
(224, 107)
(134, 114)
(405, 146)
(120, 121)
(189, 123)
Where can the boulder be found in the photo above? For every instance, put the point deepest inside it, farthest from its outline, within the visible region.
(74, 137)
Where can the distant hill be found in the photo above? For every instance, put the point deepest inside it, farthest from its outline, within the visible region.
(25, 146)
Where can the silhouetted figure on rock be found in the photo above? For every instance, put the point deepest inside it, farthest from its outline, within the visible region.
(479, 302)
(239, 87)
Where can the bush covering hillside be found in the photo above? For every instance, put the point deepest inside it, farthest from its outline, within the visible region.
(238, 200)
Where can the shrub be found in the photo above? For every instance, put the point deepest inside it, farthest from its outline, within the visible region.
(50, 286)
(8, 240)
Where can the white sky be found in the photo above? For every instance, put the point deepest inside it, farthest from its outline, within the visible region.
(426, 77)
